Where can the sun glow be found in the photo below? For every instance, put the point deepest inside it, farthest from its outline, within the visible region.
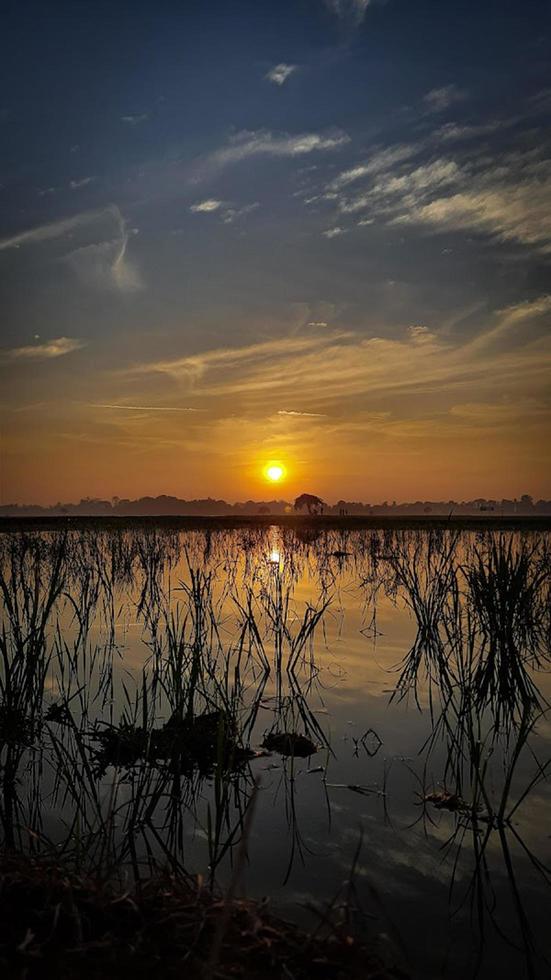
(274, 472)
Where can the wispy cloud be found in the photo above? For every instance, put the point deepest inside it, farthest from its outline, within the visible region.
(106, 264)
(307, 415)
(329, 366)
(55, 229)
(232, 214)
(510, 318)
(206, 207)
(246, 145)
(83, 182)
(227, 211)
(510, 200)
(452, 132)
(135, 120)
(144, 408)
(381, 159)
(506, 195)
(351, 11)
(439, 99)
(103, 264)
(280, 73)
(57, 347)
(333, 232)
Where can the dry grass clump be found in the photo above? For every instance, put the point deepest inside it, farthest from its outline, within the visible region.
(56, 923)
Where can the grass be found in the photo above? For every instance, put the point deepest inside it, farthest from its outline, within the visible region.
(55, 922)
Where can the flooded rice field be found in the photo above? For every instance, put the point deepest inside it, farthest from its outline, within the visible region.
(369, 709)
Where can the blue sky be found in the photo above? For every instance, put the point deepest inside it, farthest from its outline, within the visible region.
(314, 231)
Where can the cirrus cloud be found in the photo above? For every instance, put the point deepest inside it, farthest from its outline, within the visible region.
(57, 347)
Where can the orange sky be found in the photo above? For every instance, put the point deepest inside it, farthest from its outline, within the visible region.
(413, 417)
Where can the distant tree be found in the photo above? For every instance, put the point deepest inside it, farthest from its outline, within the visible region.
(263, 509)
(313, 504)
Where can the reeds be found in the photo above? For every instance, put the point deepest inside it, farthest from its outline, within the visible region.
(113, 765)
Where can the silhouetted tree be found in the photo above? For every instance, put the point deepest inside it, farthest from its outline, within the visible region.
(313, 504)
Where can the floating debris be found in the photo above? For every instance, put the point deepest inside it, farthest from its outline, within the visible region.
(289, 743)
(443, 800)
(200, 742)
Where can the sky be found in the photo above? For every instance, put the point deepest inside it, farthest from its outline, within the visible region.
(312, 232)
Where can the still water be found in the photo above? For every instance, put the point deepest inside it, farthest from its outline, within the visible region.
(369, 702)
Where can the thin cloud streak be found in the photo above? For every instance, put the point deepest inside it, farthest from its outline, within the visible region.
(144, 408)
(258, 143)
(308, 415)
(53, 230)
(56, 347)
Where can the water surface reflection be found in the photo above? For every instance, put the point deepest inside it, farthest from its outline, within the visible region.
(388, 684)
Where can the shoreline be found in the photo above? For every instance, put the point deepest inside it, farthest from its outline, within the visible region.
(329, 522)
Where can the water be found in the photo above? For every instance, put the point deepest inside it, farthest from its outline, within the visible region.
(416, 662)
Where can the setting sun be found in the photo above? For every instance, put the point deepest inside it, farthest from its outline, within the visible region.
(274, 472)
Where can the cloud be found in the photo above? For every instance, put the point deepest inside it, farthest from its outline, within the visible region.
(232, 214)
(420, 335)
(351, 11)
(57, 347)
(193, 368)
(381, 160)
(329, 367)
(280, 73)
(439, 99)
(56, 229)
(504, 413)
(333, 232)
(511, 317)
(506, 196)
(227, 212)
(206, 207)
(409, 185)
(506, 201)
(308, 415)
(106, 264)
(103, 264)
(453, 133)
(83, 182)
(245, 145)
(145, 408)
(135, 120)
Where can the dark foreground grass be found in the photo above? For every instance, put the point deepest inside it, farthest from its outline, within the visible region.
(57, 923)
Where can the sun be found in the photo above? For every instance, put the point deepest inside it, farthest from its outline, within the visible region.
(275, 472)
